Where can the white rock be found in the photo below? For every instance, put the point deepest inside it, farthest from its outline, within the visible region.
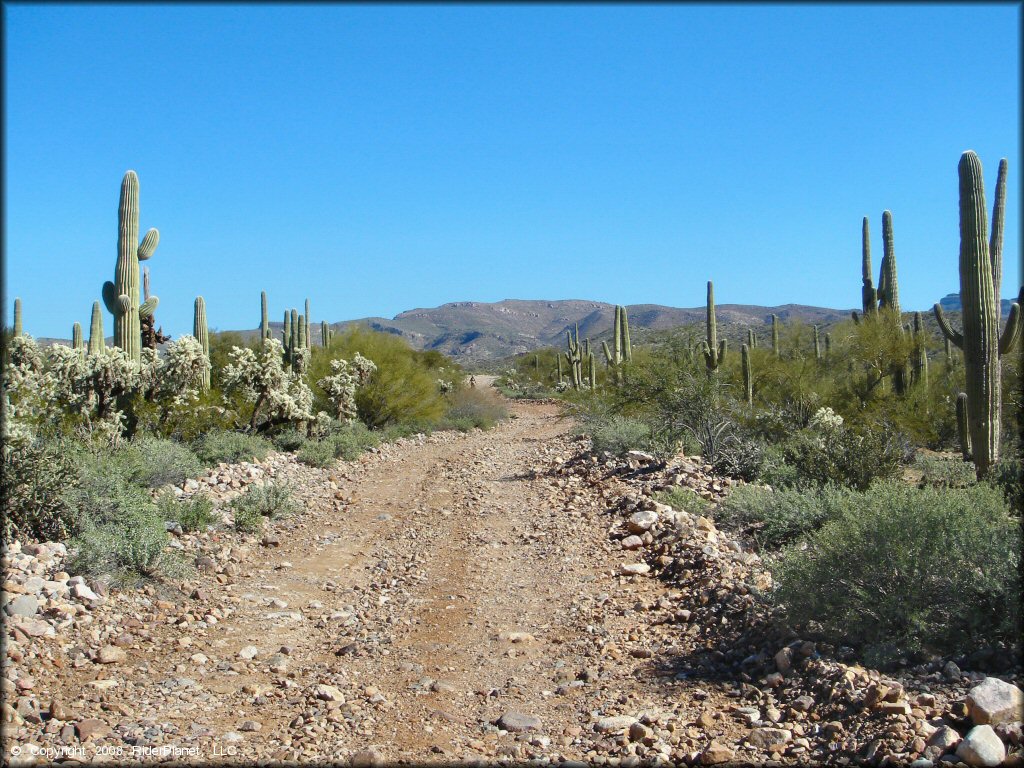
(632, 542)
(994, 701)
(642, 521)
(614, 724)
(248, 652)
(635, 569)
(981, 747)
(329, 693)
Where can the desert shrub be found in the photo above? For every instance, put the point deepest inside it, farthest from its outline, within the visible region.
(475, 407)
(777, 517)
(107, 489)
(317, 453)
(229, 447)
(192, 514)
(897, 572)
(289, 440)
(618, 435)
(775, 471)
(36, 477)
(130, 549)
(1008, 476)
(272, 500)
(740, 456)
(684, 500)
(153, 462)
(350, 440)
(845, 457)
(402, 389)
(939, 472)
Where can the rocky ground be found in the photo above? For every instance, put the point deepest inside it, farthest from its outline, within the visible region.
(493, 597)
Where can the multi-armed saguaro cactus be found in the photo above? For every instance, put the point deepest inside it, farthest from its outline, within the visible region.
(981, 342)
(574, 357)
(202, 333)
(122, 295)
(714, 350)
(96, 342)
(621, 351)
(748, 379)
(17, 317)
(886, 296)
(775, 334)
(264, 318)
(76, 337)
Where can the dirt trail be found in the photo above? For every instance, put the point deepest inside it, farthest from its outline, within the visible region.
(424, 594)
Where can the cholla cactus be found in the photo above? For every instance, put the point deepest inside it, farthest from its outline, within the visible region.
(826, 420)
(340, 387)
(277, 395)
(444, 387)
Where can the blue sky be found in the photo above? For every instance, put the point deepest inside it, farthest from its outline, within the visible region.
(380, 158)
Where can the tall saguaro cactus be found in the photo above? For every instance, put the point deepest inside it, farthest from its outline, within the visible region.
(17, 317)
(817, 344)
(122, 295)
(76, 337)
(920, 353)
(96, 342)
(714, 350)
(748, 379)
(980, 340)
(621, 350)
(869, 296)
(325, 333)
(574, 357)
(775, 334)
(202, 333)
(307, 335)
(264, 318)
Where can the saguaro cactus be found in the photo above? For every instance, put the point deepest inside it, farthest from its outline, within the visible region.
(828, 345)
(775, 335)
(714, 350)
(264, 321)
(17, 317)
(748, 379)
(202, 333)
(301, 341)
(981, 341)
(817, 344)
(286, 331)
(593, 370)
(920, 353)
(122, 295)
(325, 333)
(888, 287)
(962, 427)
(620, 350)
(76, 337)
(96, 342)
(869, 296)
(558, 368)
(306, 333)
(574, 357)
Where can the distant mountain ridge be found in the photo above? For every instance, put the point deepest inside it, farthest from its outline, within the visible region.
(471, 331)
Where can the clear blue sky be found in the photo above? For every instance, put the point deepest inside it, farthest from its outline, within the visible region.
(380, 158)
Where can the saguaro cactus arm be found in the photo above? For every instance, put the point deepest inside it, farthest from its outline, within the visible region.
(954, 336)
(995, 246)
(1012, 331)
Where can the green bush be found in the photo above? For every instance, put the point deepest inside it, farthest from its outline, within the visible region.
(402, 389)
(684, 500)
(272, 500)
(473, 407)
(940, 472)
(898, 572)
(130, 549)
(107, 490)
(775, 471)
(317, 453)
(1008, 476)
(192, 514)
(844, 457)
(230, 447)
(351, 440)
(36, 478)
(739, 456)
(777, 517)
(289, 440)
(618, 435)
(153, 462)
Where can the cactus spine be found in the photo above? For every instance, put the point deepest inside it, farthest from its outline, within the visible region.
(981, 341)
(122, 295)
(748, 379)
(76, 337)
(775, 335)
(17, 317)
(264, 320)
(714, 351)
(96, 343)
(202, 333)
